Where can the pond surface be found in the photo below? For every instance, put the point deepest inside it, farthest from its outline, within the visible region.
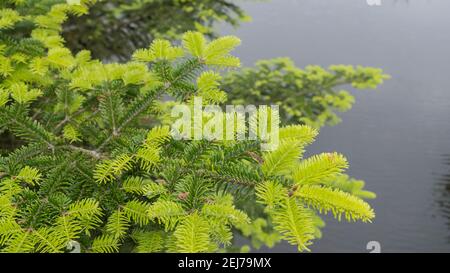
(396, 138)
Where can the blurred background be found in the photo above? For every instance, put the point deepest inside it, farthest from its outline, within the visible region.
(396, 138)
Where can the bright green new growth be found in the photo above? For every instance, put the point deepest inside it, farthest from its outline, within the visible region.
(94, 167)
(326, 199)
(294, 222)
(309, 96)
(192, 235)
(288, 202)
(319, 168)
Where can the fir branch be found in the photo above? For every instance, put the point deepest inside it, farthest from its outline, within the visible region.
(135, 109)
(336, 201)
(141, 104)
(294, 223)
(192, 235)
(93, 153)
(26, 127)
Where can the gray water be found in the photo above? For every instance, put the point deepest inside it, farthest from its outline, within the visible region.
(396, 138)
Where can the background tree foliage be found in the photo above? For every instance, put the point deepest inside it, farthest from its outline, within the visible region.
(116, 28)
(310, 96)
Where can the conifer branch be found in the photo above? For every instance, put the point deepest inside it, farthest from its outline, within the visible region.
(92, 172)
(92, 153)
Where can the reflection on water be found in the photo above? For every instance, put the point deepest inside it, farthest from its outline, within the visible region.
(442, 191)
(394, 137)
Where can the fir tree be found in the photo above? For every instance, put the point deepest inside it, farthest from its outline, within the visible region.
(96, 164)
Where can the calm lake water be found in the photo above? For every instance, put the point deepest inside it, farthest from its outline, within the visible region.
(396, 138)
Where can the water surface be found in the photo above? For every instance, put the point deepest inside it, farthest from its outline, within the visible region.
(396, 138)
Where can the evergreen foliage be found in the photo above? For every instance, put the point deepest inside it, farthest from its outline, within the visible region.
(97, 165)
